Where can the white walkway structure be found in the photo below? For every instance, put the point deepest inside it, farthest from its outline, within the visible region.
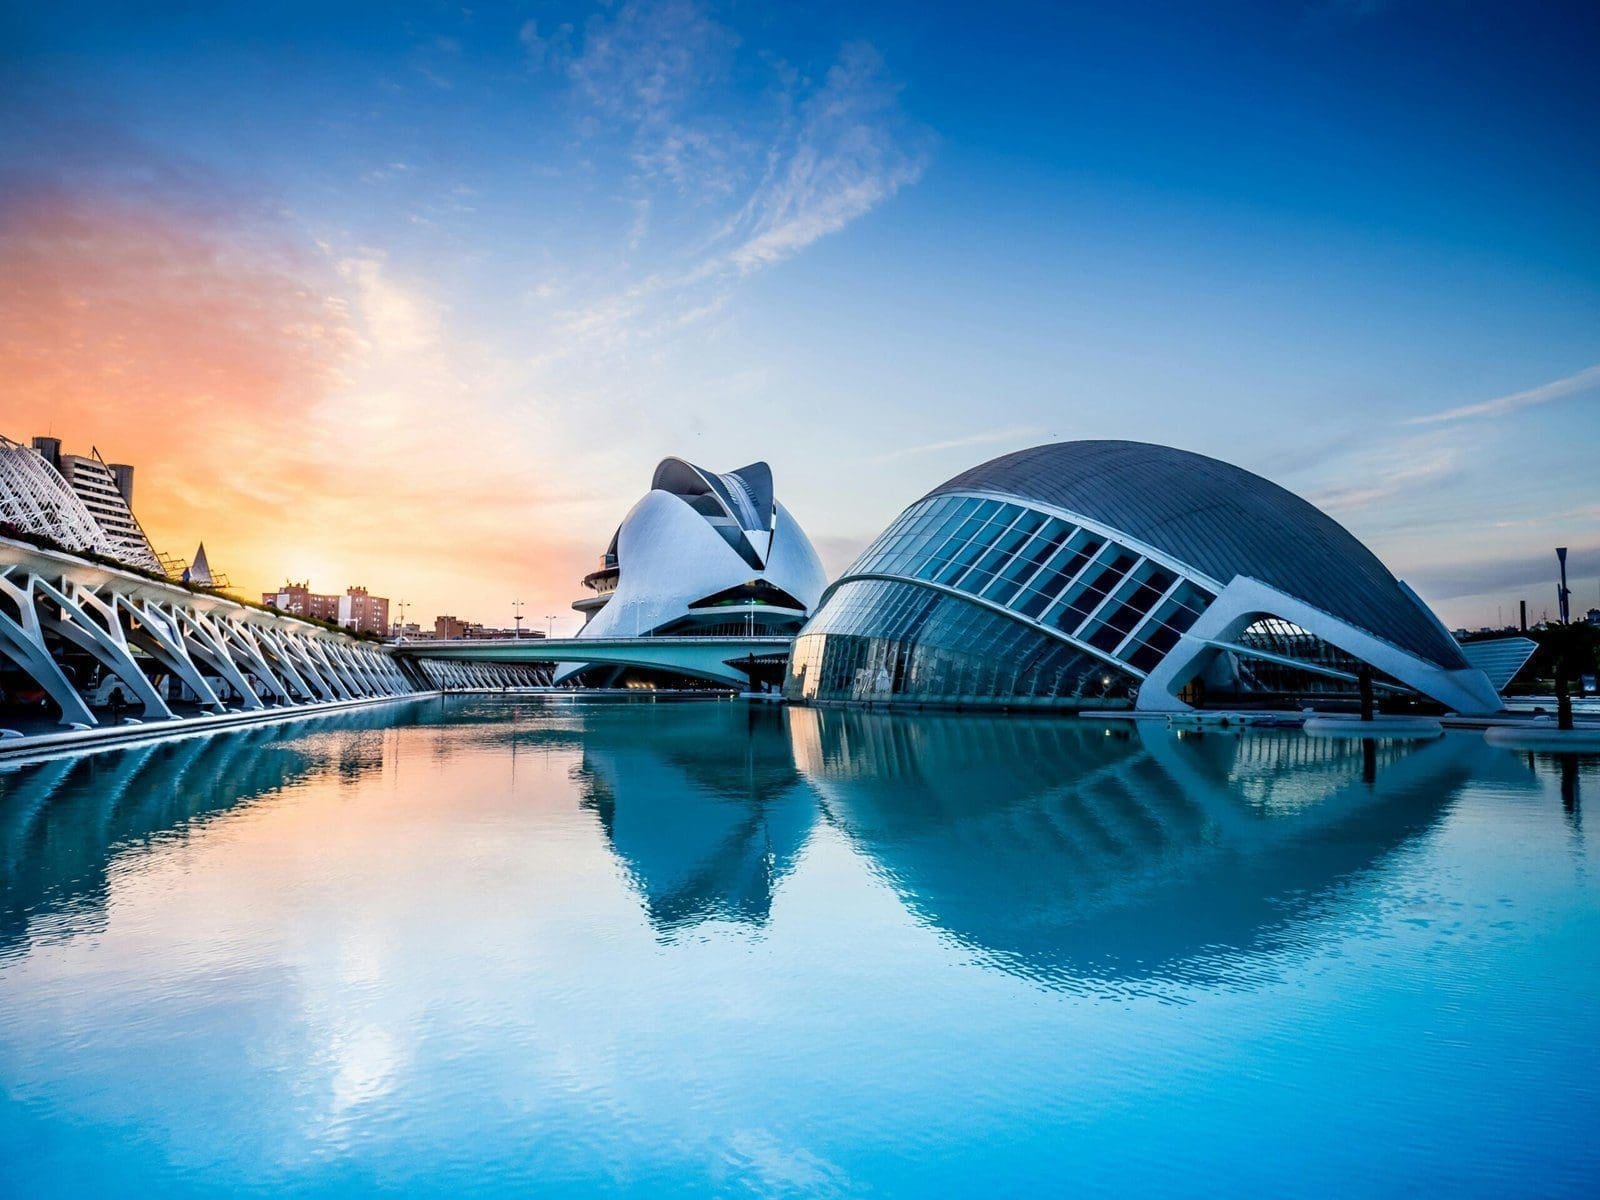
(62, 618)
(727, 660)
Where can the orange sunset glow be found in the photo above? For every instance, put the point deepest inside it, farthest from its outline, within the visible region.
(295, 412)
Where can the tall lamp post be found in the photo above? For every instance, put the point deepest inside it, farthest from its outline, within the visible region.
(549, 625)
(516, 616)
(1563, 593)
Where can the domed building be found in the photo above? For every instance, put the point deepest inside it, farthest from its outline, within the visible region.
(701, 554)
(1112, 574)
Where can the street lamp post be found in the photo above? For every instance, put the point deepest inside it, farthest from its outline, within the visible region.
(549, 625)
(516, 616)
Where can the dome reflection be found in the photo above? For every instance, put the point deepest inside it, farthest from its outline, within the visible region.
(1065, 851)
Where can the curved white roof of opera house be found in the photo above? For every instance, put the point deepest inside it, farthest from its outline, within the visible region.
(1152, 563)
(703, 550)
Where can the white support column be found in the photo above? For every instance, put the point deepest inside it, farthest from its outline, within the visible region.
(103, 638)
(159, 635)
(354, 668)
(267, 643)
(1244, 601)
(23, 642)
(317, 648)
(247, 654)
(203, 642)
(295, 645)
(363, 659)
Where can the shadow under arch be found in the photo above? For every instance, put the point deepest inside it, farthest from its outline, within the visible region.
(64, 822)
(1121, 857)
(701, 804)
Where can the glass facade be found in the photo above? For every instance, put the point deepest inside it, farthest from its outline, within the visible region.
(1044, 569)
(879, 640)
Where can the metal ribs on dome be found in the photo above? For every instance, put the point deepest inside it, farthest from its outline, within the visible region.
(1222, 521)
(1094, 573)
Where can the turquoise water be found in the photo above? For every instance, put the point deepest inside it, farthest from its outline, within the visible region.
(492, 947)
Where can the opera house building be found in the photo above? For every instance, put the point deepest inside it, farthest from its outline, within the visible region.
(700, 554)
(1113, 574)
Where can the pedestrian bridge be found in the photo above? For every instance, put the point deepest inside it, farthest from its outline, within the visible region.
(80, 631)
(725, 660)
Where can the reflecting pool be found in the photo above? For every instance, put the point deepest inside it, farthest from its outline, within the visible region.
(488, 946)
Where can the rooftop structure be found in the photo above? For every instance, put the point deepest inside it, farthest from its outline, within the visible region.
(106, 490)
(1112, 573)
(77, 501)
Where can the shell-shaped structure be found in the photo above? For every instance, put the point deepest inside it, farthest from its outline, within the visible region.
(1105, 573)
(703, 553)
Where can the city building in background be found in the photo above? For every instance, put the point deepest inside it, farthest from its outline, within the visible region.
(36, 502)
(362, 612)
(356, 610)
(447, 627)
(299, 600)
(1114, 573)
(701, 554)
(106, 490)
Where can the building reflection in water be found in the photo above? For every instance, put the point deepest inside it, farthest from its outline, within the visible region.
(1066, 851)
(1059, 850)
(702, 805)
(64, 822)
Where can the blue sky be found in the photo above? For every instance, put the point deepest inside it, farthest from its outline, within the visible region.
(514, 254)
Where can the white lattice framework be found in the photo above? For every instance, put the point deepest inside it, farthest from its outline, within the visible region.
(145, 633)
(36, 499)
(444, 675)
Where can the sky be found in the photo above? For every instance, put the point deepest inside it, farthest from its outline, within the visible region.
(414, 296)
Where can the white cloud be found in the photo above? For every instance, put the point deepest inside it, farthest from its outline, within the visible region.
(1557, 389)
(850, 153)
(721, 184)
(652, 60)
(976, 439)
(1387, 474)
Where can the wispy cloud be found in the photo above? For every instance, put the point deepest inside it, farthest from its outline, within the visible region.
(1532, 575)
(850, 153)
(1389, 473)
(721, 184)
(976, 439)
(1558, 389)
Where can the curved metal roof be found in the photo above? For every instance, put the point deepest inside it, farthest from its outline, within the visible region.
(1222, 521)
